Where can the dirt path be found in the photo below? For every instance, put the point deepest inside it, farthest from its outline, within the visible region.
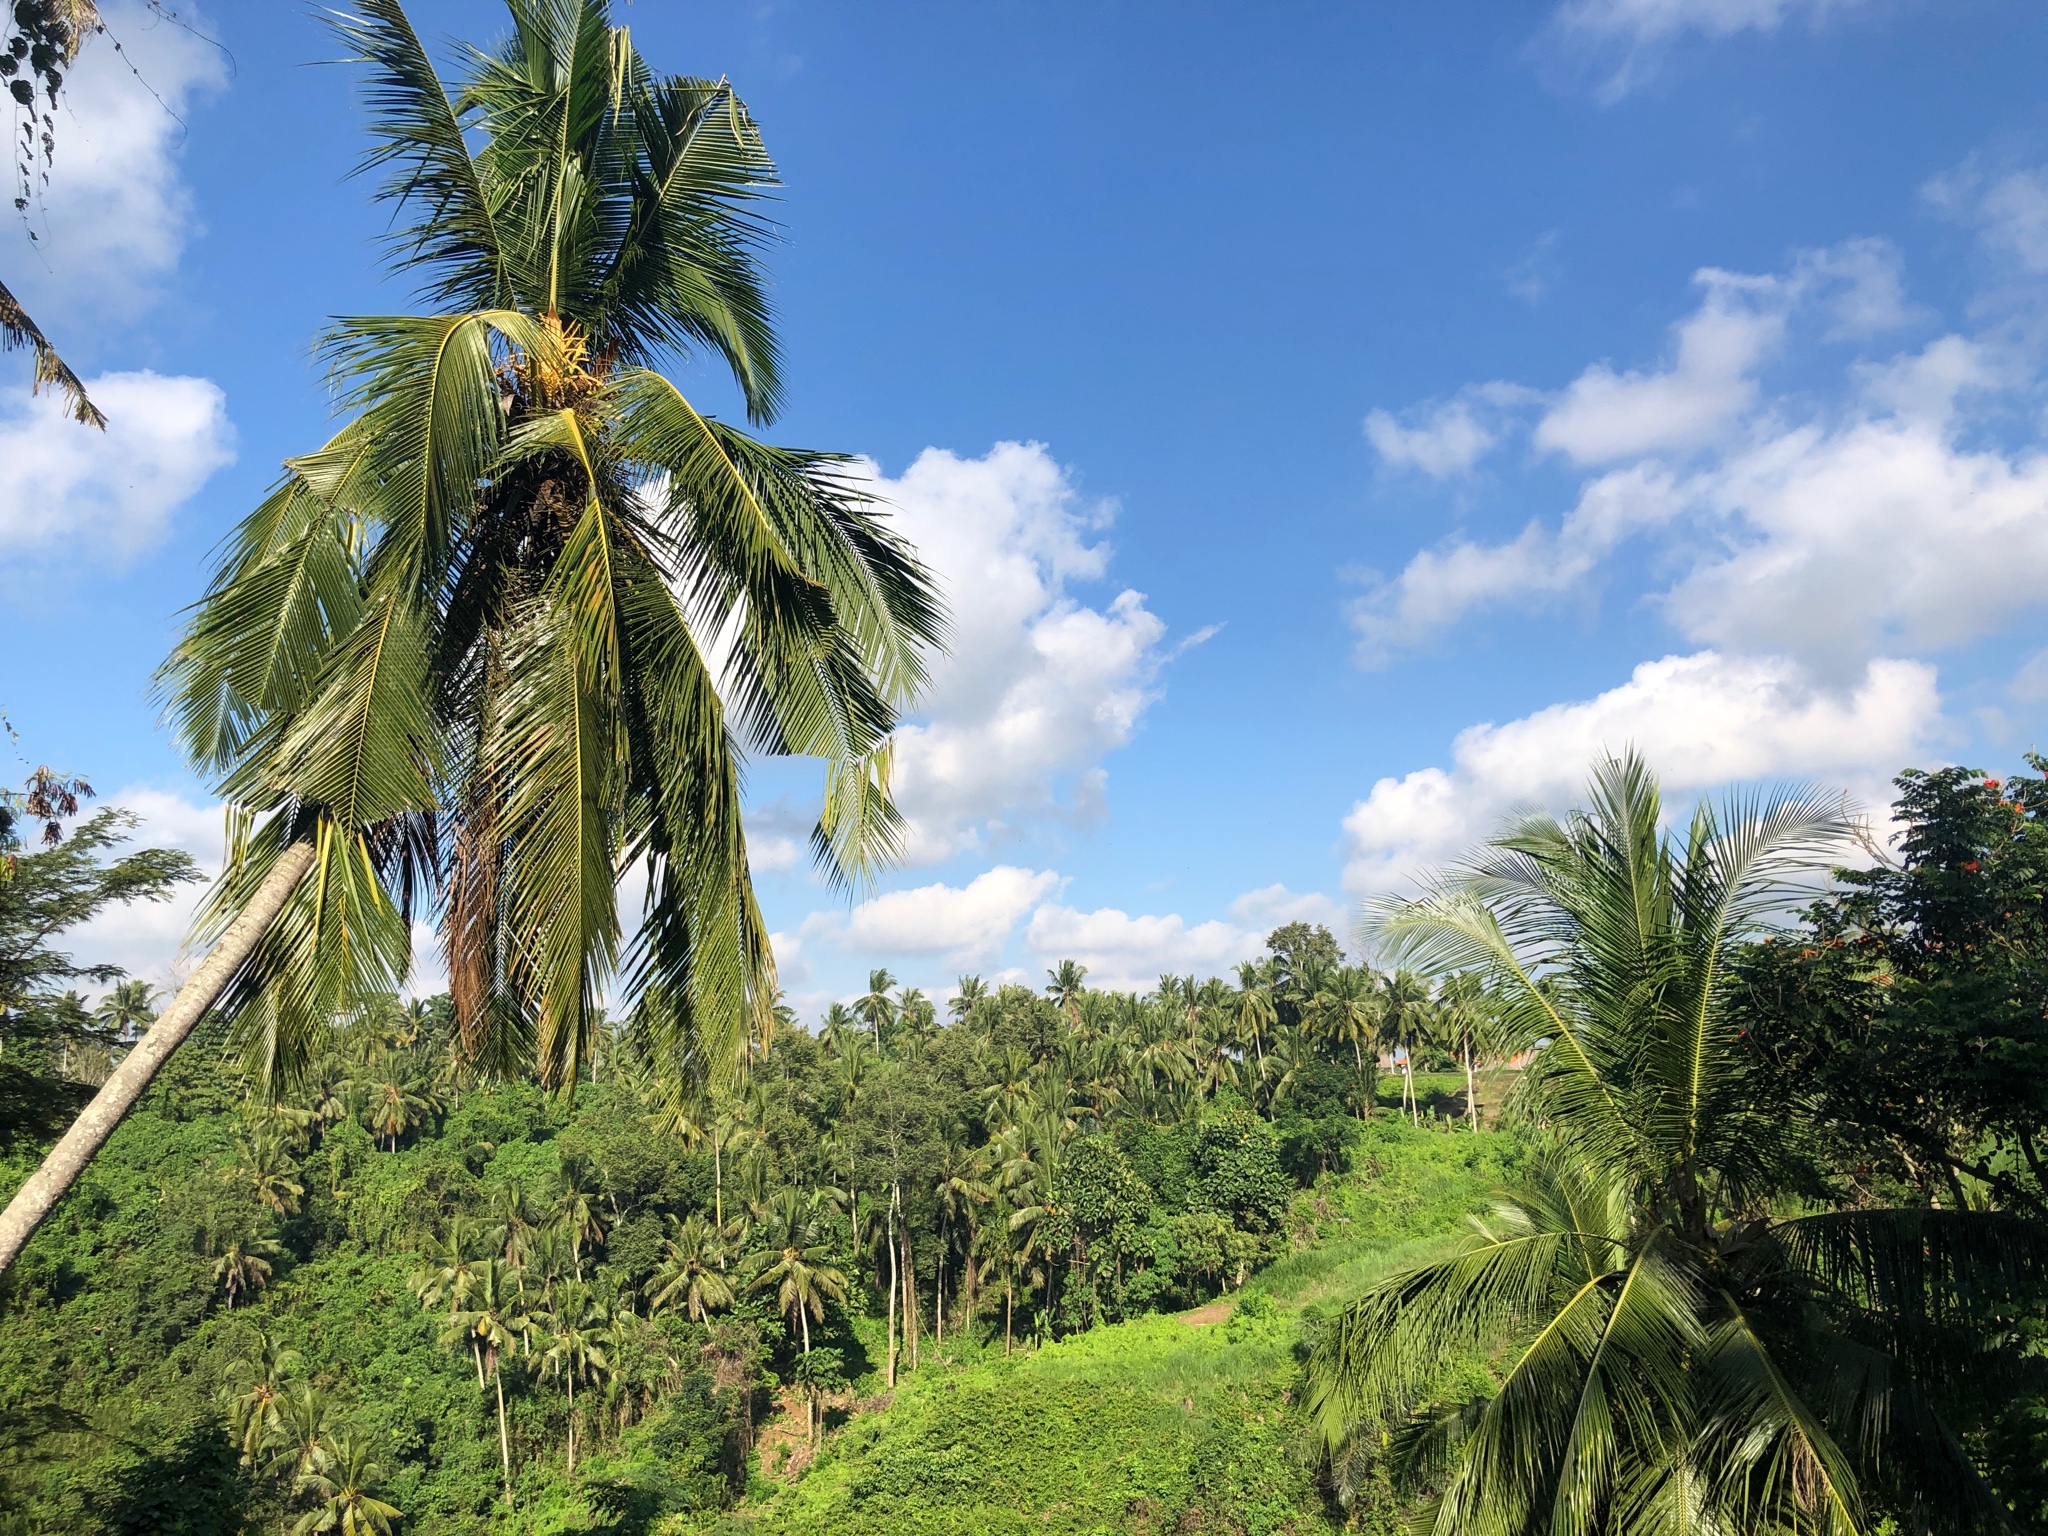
(1202, 1317)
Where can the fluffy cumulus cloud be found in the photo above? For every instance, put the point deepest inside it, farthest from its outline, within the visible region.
(984, 923)
(1881, 521)
(74, 495)
(116, 215)
(1129, 954)
(1701, 720)
(1039, 683)
(964, 924)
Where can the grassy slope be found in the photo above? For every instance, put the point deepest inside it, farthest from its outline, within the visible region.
(1151, 1425)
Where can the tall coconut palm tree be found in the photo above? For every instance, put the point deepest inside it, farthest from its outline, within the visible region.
(577, 1340)
(1404, 1005)
(305, 1425)
(794, 1261)
(490, 1317)
(1254, 1012)
(509, 630)
(264, 1168)
(1688, 1342)
(1064, 984)
(967, 996)
(876, 1008)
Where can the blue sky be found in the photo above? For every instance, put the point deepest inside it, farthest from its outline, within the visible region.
(1334, 423)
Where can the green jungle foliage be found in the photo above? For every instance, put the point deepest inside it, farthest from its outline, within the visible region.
(411, 1298)
(1060, 1261)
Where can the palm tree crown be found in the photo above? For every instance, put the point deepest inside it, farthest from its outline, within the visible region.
(1692, 1341)
(509, 630)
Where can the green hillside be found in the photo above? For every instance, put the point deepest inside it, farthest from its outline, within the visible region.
(1165, 1423)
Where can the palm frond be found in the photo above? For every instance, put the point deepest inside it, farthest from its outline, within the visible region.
(18, 330)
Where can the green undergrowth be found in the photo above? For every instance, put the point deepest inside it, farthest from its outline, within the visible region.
(1149, 1425)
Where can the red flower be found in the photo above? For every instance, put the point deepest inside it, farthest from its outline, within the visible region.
(1971, 868)
(1991, 783)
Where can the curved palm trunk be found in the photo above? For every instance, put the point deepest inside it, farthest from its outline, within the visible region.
(127, 1083)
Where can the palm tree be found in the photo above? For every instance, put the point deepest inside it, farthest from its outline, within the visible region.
(342, 1485)
(690, 1273)
(450, 1270)
(253, 1386)
(919, 1017)
(128, 1009)
(1404, 1001)
(578, 1213)
(518, 1220)
(1256, 1015)
(793, 1261)
(1688, 1344)
(266, 1170)
(971, 992)
(305, 1427)
(244, 1266)
(490, 1316)
(577, 1339)
(1346, 1008)
(961, 1189)
(876, 1008)
(1462, 1027)
(1064, 984)
(396, 1102)
(456, 662)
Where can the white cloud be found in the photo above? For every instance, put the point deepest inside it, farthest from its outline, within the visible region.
(1656, 20)
(1439, 586)
(146, 938)
(1634, 34)
(964, 923)
(74, 495)
(1604, 415)
(1129, 954)
(1273, 905)
(1701, 720)
(2009, 209)
(1446, 438)
(116, 215)
(1883, 533)
(1883, 521)
(1037, 686)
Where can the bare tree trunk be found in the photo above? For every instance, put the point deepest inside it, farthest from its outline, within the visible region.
(1009, 1296)
(894, 1288)
(127, 1083)
(570, 1377)
(504, 1437)
(1471, 1091)
(909, 1297)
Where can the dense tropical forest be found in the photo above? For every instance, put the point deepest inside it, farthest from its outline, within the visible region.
(919, 1267)
(1657, 1169)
